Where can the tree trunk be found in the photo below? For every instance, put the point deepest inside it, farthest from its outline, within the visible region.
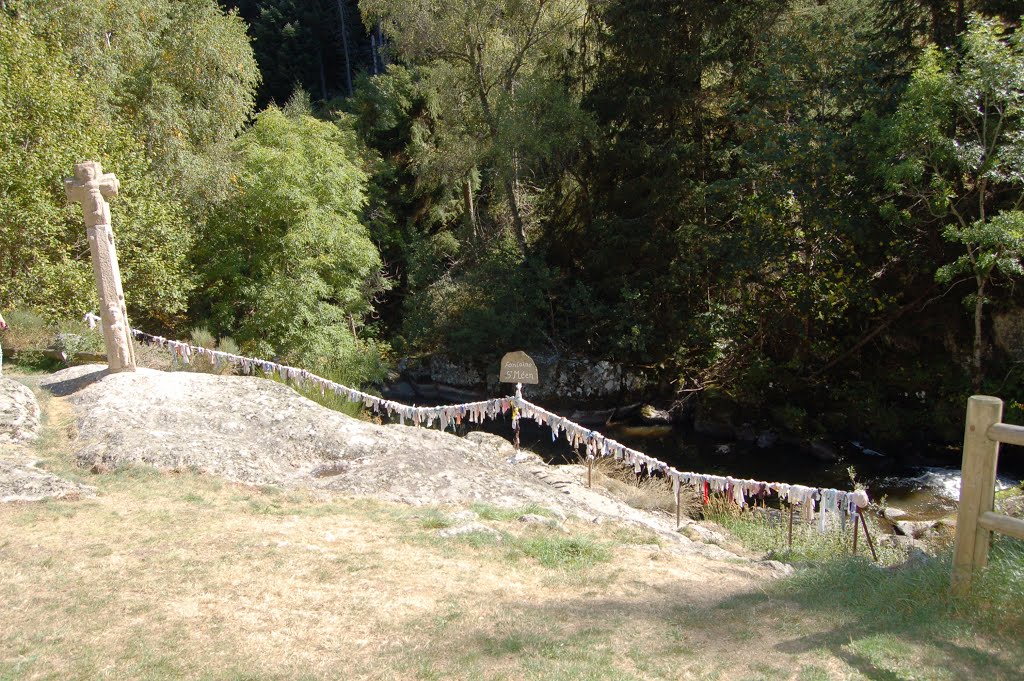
(344, 46)
(380, 47)
(513, 204)
(476, 61)
(979, 304)
(470, 212)
(323, 77)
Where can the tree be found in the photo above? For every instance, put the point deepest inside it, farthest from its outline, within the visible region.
(651, 254)
(286, 266)
(49, 120)
(486, 61)
(958, 157)
(179, 74)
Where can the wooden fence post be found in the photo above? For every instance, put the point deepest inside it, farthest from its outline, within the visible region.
(977, 490)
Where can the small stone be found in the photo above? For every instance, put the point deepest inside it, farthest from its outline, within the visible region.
(916, 529)
(466, 516)
(893, 513)
(468, 528)
(535, 519)
(777, 568)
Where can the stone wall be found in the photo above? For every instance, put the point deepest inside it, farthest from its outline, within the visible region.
(560, 378)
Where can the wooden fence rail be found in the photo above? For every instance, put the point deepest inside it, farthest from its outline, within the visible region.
(976, 521)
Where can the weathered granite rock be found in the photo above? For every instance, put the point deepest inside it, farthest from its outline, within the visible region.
(22, 480)
(19, 413)
(918, 529)
(491, 442)
(893, 513)
(1008, 330)
(536, 519)
(469, 528)
(260, 432)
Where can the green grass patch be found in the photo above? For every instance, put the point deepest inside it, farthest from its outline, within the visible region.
(479, 539)
(434, 519)
(768, 533)
(632, 535)
(558, 552)
(498, 513)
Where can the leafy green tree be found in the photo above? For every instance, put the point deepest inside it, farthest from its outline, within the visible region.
(488, 65)
(958, 145)
(651, 251)
(49, 120)
(803, 235)
(179, 73)
(286, 267)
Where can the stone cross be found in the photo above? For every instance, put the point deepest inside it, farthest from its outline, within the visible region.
(91, 187)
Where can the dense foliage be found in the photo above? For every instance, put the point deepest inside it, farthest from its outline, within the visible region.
(284, 264)
(780, 203)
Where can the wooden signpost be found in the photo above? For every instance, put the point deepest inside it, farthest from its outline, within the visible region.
(517, 367)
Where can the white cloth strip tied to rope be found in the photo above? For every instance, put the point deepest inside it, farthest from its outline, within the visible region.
(445, 416)
(837, 502)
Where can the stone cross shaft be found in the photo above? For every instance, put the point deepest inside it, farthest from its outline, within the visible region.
(91, 187)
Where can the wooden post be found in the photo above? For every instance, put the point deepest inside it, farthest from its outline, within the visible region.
(867, 535)
(977, 490)
(91, 187)
(590, 471)
(856, 526)
(516, 415)
(679, 504)
(791, 526)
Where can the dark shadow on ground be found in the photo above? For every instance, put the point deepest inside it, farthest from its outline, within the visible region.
(884, 624)
(70, 381)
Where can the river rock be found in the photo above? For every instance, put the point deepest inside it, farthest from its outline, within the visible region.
(1008, 332)
(767, 438)
(715, 418)
(746, 433)
(897, 540)
(892, 513)
(19, 413)
(918, 529)
(824, 451)
(652, 416)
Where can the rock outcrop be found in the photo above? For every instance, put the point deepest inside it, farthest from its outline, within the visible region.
(21, 479)
(19, 413)
(257, 431)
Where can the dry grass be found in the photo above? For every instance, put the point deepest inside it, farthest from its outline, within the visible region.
(642, 492)
(184, 576)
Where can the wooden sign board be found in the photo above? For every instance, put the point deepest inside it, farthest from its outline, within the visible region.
(517, 367)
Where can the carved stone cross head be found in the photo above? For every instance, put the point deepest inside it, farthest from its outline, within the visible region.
(90, 187)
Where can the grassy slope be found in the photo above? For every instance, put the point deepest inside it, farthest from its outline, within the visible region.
(172, 576)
